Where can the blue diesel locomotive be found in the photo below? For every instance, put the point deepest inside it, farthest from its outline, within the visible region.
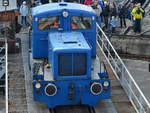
(63, 58)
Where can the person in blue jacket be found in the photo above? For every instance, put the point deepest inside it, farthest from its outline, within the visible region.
(101, 3)
(114, 24)
(24, 13)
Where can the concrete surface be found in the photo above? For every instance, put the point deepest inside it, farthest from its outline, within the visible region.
(140, 72)
(132, 45)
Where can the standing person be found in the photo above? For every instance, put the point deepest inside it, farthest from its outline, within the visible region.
(98, 10)
(101, 3)
(24, 13)
(113, 12)
(122, 15)
(129, 11)
(72, 1)
(114, 24)
(33, 4)
(54, 1)
(137, 13)
(44, 1)
(106, 11)
(88, 2)
(82, 1)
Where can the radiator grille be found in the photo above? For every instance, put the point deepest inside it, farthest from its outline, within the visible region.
(74, 64)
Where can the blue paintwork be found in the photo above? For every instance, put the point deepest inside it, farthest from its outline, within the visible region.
(55, 6)
(50, 43)
(81, 92)
(57, 46)
(40, 41)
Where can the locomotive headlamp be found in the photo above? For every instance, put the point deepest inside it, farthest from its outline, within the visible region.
(96, 88)
(5, 2)
(38, 85)
(65, 14)
(106, 84)
(50, 89)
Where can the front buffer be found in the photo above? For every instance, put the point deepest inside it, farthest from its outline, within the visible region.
(75, 92)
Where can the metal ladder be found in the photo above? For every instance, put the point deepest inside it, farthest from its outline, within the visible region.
(126, 80)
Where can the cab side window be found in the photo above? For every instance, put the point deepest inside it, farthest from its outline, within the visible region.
(48, 23)
(80, 22)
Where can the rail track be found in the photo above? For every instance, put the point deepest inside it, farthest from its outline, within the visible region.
(130, 47)
(136, 57)
(73, 109)
(133, 56)
(124, 36)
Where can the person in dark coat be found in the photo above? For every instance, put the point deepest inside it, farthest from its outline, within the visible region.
(44, 1)
(106, 12)
(72, 1)
(113, 13)
(122, 15)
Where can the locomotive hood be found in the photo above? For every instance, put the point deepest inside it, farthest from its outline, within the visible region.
(69, 52)
(68, 40)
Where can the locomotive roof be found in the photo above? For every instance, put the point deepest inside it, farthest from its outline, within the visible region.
(60, 6)
(74, 40)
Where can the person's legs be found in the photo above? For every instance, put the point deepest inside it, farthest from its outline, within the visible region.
(121, 22)
(102, 18)
(133, 25)
(124, 21)
(106, 21)
(113, 29)
(22, 20)
(25, 20)
(108, 27)
(138, 25)
(99, 21)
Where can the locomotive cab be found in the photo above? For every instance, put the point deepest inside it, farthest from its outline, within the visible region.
(64, 37)
(61, 17)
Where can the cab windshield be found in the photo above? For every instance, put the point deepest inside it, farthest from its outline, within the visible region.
(80, 22)
(48, 23)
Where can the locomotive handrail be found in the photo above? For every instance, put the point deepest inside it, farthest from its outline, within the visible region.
(131, 88)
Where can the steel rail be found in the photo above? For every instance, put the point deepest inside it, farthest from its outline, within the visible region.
(131, 88)
(71, 109)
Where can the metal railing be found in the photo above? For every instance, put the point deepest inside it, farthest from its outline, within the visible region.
(126, 80)
(2, 62)
(2, 55)
(145, 4)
